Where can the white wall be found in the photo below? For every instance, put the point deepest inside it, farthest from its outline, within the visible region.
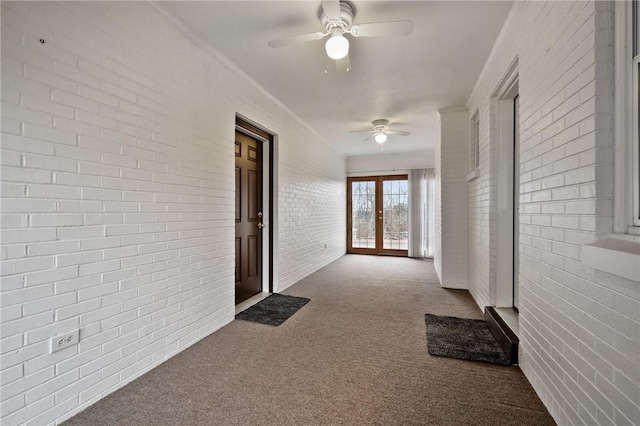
(437, 201)
(579, 327)
(385, 164)
(312, 207)
(118, 195)
(450, 256)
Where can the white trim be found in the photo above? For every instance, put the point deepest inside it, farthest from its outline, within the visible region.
(620, 253)
(266, 217)
(516, 199)
(622, 108)
(634, 36)
(502, 36)
(507, 82)
(614, 255)
(452, 109)
(635, 168)
(275, 219)
(623, 199)
(504, 93)
(474, 141)
(379, 173)
(250, 133)
(504, 205)
(473, 174)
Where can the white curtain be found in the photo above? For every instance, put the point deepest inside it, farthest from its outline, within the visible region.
(428, 211)
(421, 205)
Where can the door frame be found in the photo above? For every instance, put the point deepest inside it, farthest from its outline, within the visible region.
(350, 180)
(379, 249)
(249, 128)
(506, 201)
(515, 297)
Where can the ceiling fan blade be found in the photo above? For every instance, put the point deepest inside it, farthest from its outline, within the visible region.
(382, 29)
(398, 132)
(362, 131)
(296, 39)
(343, 65)
(331, 8)
(369, 137)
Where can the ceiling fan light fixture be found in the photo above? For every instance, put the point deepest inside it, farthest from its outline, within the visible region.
(337, 46)
(380, 138)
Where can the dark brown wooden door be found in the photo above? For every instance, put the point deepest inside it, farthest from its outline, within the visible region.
(377, 215)
(248, 217)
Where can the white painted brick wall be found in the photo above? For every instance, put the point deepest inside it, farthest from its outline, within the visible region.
(311, 219)
(437, 201)
(451, 219)
(482, 214)
(118, 195)
(579, 327)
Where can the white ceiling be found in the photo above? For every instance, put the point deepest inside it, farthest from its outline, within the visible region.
(401, 79)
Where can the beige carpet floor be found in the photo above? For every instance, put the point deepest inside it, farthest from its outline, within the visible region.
(355, 354)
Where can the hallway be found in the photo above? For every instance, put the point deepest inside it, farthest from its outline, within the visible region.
(355, 354)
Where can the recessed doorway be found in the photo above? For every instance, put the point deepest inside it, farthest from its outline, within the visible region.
(507, 107)
(253, 211)
(378, 215)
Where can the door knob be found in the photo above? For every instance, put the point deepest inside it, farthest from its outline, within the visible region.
(260, 225)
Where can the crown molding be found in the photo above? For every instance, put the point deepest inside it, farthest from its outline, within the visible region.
(453, 109)
(502, 36)
(227, 63)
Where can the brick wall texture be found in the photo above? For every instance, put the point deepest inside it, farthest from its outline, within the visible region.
(579, 327)
(118, 198)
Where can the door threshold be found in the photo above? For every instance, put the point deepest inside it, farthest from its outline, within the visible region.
(510, 316)
(501, 323)
(246, 304)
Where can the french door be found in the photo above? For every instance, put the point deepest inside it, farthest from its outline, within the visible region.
(378, 215)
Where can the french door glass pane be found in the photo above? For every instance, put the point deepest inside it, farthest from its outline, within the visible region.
(396, 214)
(363, 211)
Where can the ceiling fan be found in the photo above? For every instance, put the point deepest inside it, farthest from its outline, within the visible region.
(380, 130)
(336, 17)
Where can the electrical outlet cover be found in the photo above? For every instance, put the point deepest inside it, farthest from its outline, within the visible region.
(64, 341)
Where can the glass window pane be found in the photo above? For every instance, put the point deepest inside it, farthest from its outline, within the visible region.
(396, 214)
(363, 215)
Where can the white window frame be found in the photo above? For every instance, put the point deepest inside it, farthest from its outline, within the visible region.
(474, 147)
(627, 148)
(474, 141)
(620, 253)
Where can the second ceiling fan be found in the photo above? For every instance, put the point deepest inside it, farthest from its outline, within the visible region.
(336, 17)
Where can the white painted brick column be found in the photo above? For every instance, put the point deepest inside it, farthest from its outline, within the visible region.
(451, 237)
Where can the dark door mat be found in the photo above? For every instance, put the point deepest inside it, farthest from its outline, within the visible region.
(462, 338)
(274, 310)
